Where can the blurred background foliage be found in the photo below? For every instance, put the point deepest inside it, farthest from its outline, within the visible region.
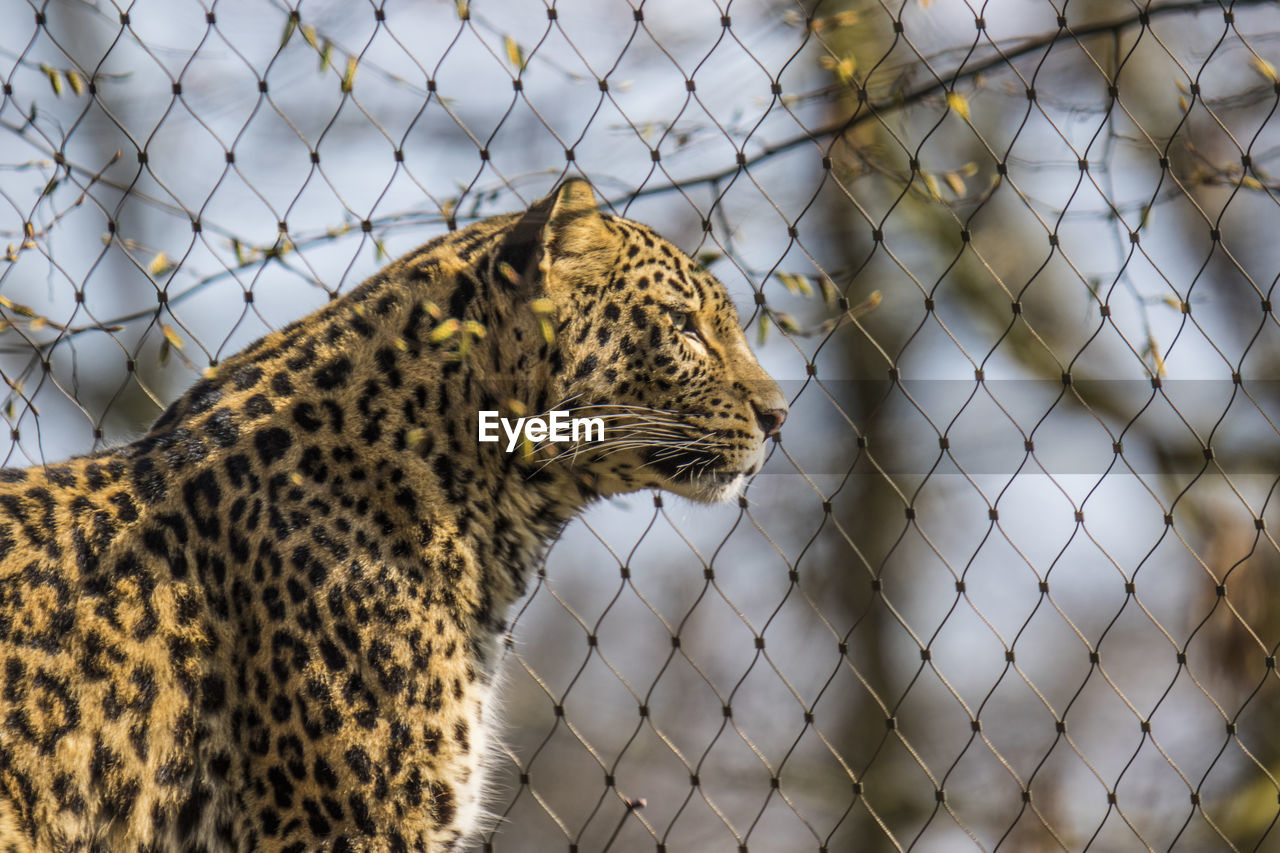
(1005, 582)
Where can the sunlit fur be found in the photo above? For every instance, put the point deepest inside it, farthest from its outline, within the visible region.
(270, 624)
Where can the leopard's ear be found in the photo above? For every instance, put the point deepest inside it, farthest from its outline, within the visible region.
(561, 237)
(574, 224)
(578, 244)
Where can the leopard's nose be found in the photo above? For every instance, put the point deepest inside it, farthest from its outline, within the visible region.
(770, 420)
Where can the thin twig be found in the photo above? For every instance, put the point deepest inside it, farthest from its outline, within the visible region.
(942, 85)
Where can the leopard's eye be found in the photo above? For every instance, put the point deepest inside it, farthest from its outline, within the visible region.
(683, 323)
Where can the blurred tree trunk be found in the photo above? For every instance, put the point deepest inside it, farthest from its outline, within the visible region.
(854, 35)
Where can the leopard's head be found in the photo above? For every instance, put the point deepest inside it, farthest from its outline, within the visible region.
(649, 342)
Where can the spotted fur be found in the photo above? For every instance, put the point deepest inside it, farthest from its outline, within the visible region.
(269, 624)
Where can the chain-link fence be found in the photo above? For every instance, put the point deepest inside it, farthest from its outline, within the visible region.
(1005, 581)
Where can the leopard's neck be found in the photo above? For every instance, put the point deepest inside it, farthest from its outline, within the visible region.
(370, 407)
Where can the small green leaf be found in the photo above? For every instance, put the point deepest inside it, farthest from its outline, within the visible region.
(795, 283)
(514, 53)
(160, 265)
(828, 289)
(1265, 68)
(508, 272)
(935, 189)
(548, 331)
(959, 103)
(55, 78)
(171, 336)
(444, 331)
(349, 76)
(16, 307)
(290, 24)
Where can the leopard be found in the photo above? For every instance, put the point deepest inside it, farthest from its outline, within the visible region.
(274, 621)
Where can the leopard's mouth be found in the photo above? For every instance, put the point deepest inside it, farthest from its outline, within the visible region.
(684, 464)
(702, 475)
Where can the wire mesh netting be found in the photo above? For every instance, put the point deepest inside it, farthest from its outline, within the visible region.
(1005, 581)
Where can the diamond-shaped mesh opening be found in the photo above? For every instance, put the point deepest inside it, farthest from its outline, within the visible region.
(1005, 582)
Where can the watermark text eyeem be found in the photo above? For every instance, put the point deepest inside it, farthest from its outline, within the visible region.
(554, 426)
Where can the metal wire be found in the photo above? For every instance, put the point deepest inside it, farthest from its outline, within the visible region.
(1005, 581)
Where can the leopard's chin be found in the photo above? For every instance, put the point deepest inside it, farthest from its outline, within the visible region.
(707, 487)
(715, 487)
